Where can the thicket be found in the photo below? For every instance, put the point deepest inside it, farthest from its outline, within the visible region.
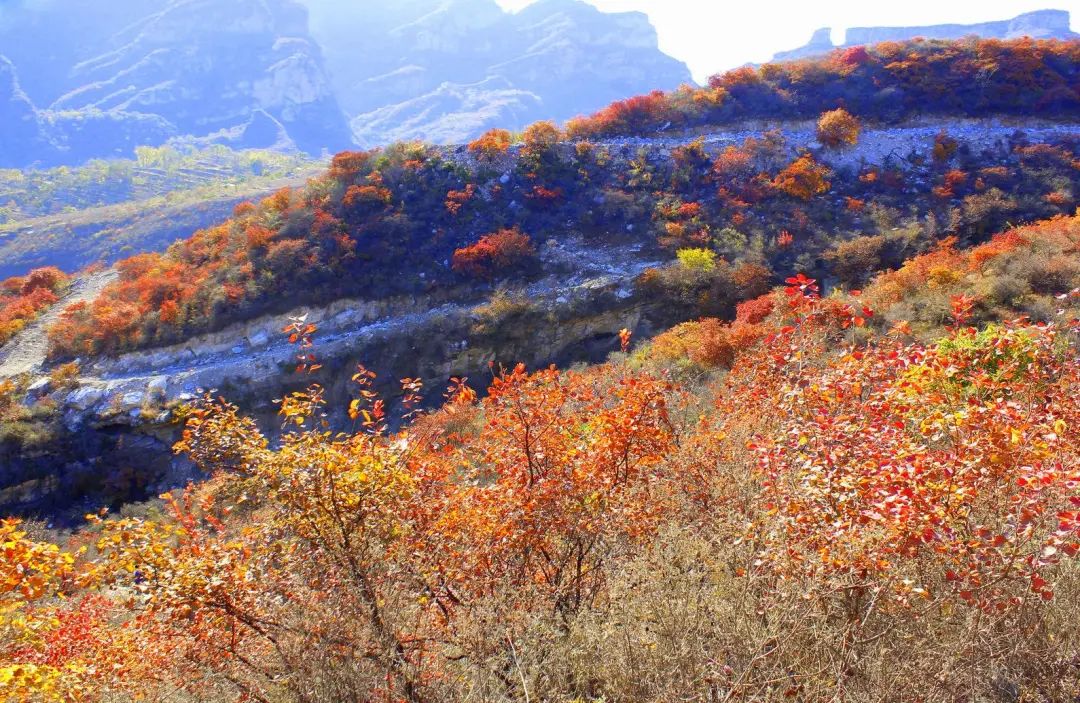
(410, 207)
(23, 298)
(833, 507)
(883, 82)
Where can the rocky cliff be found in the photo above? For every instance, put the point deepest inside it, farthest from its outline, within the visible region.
(100, 78)
(1042, 24)
(200, 68)
(445, 70)
(24, 133)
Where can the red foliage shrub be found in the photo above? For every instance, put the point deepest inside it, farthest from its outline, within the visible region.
(23, 298)
(456, 199)
(494, 254)
(365, 199)
(543, 195)
(754, 311)
(347, 165)
(855, 56)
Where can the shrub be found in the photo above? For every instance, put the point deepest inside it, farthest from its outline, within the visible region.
(495, 254)
(803, 178)
(858, 259)
(838, 128)
(23, 298)
(491, 145)
(697, 259)
(540, 137)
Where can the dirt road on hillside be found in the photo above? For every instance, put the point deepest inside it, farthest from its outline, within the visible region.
(26, 352)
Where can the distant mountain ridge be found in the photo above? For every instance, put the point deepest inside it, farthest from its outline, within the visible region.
(160, 70)
(86, 80)
(1041, 24)
(443, 70)
(81, 80)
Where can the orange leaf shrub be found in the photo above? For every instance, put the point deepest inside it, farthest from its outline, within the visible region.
(494, 254)
(23, 298)
(838, 128)
(803, 178)
(491, 145)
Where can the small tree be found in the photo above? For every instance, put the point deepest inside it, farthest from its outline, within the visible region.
(838, 128)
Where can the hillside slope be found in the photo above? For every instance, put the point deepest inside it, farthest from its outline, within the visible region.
(107, 210)
(28, 351)
(590, 278)
(785, 501)
(434, 261)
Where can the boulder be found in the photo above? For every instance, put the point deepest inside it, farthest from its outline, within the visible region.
(84, 398)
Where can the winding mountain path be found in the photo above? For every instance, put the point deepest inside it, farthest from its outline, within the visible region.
(27, 351)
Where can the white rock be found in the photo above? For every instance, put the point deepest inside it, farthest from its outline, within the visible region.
(259, 339)
(85, 398)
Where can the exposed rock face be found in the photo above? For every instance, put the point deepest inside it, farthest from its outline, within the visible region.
(451, 113)
(208, 65)
(1042, 24)
(177, 67)
(820, 43)
(101, 78)
(24, 134)
(445, 70)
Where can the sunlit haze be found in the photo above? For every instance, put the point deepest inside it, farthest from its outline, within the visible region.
(712, 36)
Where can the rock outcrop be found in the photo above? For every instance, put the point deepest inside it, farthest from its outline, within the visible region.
(189, 68)
(446, 70)
(1041, 24)
(820, 43)
(207, 65)
(105, 77)
(24, 134)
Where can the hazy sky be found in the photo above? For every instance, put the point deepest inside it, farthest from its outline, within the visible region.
(714, 35)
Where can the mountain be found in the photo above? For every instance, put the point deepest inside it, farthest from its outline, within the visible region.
(143, 72)
(445, 70)
(815, 412)
(80, 81)
(24, 132)
(1041, 24)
